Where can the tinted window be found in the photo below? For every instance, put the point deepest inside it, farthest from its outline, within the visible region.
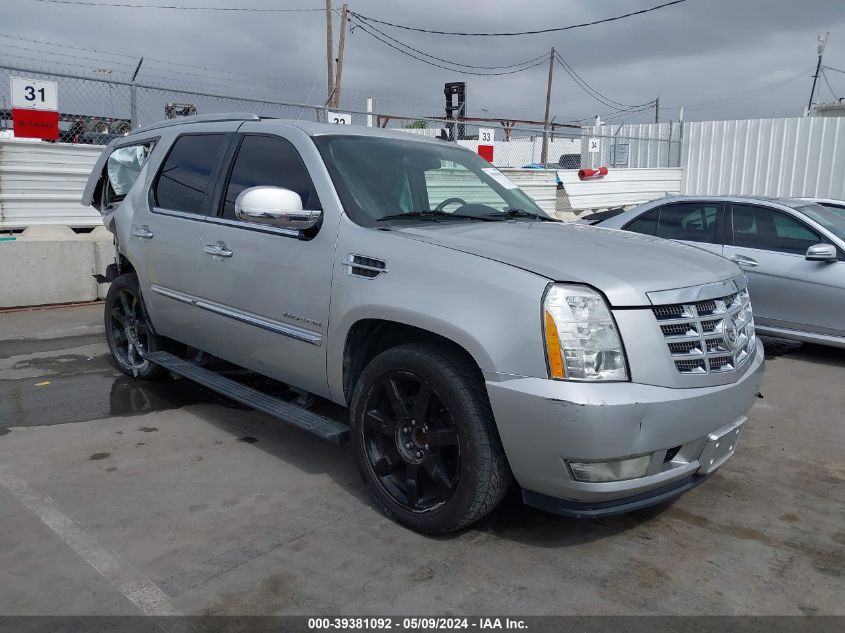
(269, 161)
(693, 222)
(646, 223)
(770, 230)
(184, 182)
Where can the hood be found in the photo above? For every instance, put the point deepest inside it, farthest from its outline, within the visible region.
(623, 265)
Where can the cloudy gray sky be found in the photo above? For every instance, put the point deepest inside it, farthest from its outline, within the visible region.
(696, 52)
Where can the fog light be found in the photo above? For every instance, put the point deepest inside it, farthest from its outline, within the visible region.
(617, 470)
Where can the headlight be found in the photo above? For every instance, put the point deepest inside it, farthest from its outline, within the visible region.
(582, 342)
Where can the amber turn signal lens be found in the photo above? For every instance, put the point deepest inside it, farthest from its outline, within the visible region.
(556, 369)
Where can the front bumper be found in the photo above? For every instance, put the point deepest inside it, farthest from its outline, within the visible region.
(544, 424)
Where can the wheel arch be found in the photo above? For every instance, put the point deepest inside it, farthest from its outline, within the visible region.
(366, 338)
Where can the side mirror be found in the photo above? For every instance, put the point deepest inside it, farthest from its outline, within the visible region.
(822, 253)
(275, 206)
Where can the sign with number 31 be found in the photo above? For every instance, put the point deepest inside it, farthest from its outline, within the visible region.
(34, 94)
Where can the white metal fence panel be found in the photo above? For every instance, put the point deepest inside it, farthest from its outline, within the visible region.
(42, 183)
(633, 146)
(621, 187)
(766, 157)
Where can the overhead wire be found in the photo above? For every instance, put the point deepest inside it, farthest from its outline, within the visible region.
(829, 87)
(598, 96)
(742, 95)
(513, 33)
(364, 27)
(542, 57)
(133, 5)
(67, 55)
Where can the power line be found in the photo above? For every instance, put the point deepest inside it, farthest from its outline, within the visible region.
(743, 95)
(829, 87)
(48, 62)
(603, 99)
(535, 32)
(542, 57)
(78, 48)
(128, 5)
(68, 55)
(367, 30)
(836, 70)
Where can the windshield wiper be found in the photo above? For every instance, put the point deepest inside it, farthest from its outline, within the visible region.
(424, 215)
(522, 213)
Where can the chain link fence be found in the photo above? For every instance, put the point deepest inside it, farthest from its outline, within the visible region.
(96, 110)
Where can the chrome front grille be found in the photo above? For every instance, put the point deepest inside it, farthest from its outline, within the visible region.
(706, 337)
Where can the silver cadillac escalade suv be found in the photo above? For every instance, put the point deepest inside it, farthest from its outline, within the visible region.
(475, 340)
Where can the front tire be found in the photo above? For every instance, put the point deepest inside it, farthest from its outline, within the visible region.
(425, 440)
(128, 331)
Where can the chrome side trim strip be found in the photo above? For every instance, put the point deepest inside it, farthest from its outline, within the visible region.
(173, 294)
(285, 329)
(253, 226)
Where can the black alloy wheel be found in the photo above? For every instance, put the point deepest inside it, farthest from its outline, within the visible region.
(128, 332)
(425, 439)
(411, 441)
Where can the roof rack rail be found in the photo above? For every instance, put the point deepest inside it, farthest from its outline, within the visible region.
(200, 118)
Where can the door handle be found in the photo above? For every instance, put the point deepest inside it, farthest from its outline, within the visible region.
(742, 260)
(143, 232)
(218, 249)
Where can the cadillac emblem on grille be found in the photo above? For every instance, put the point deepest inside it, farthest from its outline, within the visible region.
(731, 332)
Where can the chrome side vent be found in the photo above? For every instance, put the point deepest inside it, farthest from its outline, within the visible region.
(363, 266)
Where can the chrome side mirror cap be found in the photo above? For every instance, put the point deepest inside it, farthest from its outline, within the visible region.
(275, 206)
(822, 253)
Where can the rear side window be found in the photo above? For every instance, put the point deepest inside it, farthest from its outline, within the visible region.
(272, 162)
(770, 230)
(646, 223)
(185, 180)
(691, 222)
(123, 168)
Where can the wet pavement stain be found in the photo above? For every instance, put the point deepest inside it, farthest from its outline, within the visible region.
(147, 429)
(79, 396)
(248, 439)
(98, 456)
(21, 347)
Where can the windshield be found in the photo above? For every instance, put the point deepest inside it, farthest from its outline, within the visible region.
(392, 179)
(831, 219)
(838, 209)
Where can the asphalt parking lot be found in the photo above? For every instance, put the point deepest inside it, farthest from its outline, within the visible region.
(121, 497)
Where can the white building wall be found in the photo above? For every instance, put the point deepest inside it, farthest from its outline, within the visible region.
(793, 157)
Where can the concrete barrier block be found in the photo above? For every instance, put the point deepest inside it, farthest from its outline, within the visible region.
(47, 234)
(39, 272)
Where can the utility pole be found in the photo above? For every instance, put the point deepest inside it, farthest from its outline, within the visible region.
(544, 153)
(657, 109)
(822, 41)
(329, 51)
(133, 97)
(344, 17)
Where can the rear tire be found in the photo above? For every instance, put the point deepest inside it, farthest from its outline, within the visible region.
(128, 332)
(425, 438)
